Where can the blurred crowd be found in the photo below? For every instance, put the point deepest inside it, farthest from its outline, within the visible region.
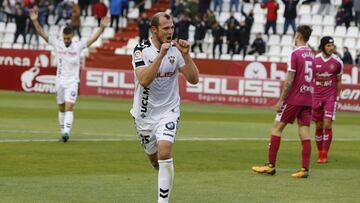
(236, 33)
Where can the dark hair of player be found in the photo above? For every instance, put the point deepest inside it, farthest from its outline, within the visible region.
(305, 32)
(68, 30)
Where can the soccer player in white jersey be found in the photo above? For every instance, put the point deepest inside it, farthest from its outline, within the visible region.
(157, 63)
(68, 68)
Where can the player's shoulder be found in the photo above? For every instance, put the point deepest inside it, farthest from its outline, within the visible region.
(337, 58)
(142, 46)
(318, 55)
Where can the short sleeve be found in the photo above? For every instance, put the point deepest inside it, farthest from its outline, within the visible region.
(138, 57)
(82, 45)
(292, 62)
(52, 40)
(181, 61)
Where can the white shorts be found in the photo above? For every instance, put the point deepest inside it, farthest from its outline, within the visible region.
(66, 94)
(151, 134)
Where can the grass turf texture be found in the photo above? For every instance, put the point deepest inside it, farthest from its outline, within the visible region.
(205, 171)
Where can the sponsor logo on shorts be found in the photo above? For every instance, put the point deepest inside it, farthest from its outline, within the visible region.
(73, 93)
(167, 134)
(170, 125)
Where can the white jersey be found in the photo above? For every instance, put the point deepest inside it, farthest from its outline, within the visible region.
(68, 60)
(162, 95)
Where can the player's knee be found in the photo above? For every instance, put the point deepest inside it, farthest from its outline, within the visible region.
(163, 155)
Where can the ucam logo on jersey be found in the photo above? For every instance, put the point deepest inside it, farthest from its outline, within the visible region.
(24, 58)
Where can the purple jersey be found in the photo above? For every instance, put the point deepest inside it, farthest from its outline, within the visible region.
(301, 62)
(325, 76)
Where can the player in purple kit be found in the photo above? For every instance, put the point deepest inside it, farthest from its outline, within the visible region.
(327, 70)
(294, 103)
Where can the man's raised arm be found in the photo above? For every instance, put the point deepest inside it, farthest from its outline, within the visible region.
(103, 24)
(39, 30)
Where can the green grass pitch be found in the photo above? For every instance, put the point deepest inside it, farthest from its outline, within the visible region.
(215, 149)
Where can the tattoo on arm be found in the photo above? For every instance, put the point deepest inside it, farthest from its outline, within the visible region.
(287, 85)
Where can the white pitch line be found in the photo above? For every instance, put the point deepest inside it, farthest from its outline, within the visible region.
(191, 139)
(133, 137)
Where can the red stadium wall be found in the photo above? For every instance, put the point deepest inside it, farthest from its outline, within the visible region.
(246, 69)
(26, 70)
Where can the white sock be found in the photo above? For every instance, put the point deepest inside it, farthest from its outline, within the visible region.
(69, 117)
(165, 180)
(61, 116)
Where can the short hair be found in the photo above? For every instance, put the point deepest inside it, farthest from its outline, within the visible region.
(305, 32)
(68, 30)
(155, 20)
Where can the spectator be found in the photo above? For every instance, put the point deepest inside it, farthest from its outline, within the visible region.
(63, 12)
(290, 14)
(56, 4)
(231, 20)
(44, 12)
(75, 18)
(200, 32)
(242, 38)
(99, 10)
(324, 5)
(172, 5)
(180, 9)
(31, 29)
(115, 11)
(234, 3)
(258, 46)
(231, 38)
(218, 35)
(347, 58)
(192, 7)
(340, 16)
(347, 5)
(124, 8)
(83, 5)
(9, 9)
(141, 5)
(271, 15)
(2, 14)
(144, 26)
(209, 19)
(249, 21)
(218, 3)
(357, 59)
(357, 12)
(20, 21)
(182, 27)
(204, 5)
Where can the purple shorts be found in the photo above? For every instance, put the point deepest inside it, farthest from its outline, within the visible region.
(323, 109)
(291, 112)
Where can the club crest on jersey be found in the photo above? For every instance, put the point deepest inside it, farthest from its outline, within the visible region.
(171, 59)
(170, 125)
(332, 66)
(137, 56)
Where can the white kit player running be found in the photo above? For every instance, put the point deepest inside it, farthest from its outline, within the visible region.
(157, 63)
(68, 68)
